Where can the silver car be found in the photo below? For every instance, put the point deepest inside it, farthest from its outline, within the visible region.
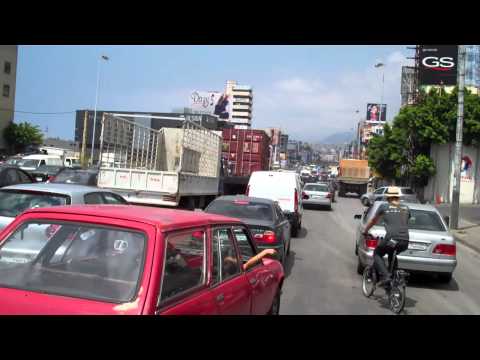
(17, 198)
(406, 195)
(431, 248)
(317, 195)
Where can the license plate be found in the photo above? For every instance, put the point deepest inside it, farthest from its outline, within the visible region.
(420, 247)
(317, 197)
(39, 179)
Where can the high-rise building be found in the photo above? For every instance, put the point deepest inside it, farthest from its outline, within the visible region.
(472, 66)
(8, 76)
(242, 104)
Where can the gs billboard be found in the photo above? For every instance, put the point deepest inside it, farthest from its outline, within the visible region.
(438, 65)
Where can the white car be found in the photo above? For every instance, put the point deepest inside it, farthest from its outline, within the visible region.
(283, 187)
(317, 195)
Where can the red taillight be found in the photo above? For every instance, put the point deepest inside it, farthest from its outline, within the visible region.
(268, 237)
(296, 201)
(51, 178)
(445, 249)
(329, 196)
(305, 196)
(371, 242)
(248, 190)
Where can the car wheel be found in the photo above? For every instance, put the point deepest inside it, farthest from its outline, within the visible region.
(360, 267)
(445, 277)
(365, 202)
(330, 208)
(288, 249)
(275, 308)
(294, 231)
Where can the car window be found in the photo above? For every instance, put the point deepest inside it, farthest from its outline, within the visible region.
(247, 250)
(94, 198)
(244, 209)
(42, 163)
(184, 263)
(379, 191)
(13, 203)
(279, 213)
(316, 187)
(73, 259)
(11, 177)
(422, 220)
(113, 199)
(24, 179)
(228, 259)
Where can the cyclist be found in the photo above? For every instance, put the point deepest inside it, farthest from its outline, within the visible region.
(395, 216)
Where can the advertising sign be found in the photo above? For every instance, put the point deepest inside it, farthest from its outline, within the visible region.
(438, 65)
(376, 112)
(212, 102)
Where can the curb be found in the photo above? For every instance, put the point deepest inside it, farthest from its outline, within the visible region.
(466, 243)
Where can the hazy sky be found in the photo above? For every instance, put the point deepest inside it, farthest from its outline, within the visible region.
(309, 91)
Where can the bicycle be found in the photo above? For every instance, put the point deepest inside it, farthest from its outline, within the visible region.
(395, 289)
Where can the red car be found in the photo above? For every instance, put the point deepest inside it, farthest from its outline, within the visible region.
(116, 259)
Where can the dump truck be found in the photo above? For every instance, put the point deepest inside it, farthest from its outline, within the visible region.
(173, 167)
(353, 177)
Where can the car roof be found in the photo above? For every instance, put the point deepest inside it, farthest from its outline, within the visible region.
(66, 189)
(246, 198)
(40, 157)
(412, 206)
(166, 219)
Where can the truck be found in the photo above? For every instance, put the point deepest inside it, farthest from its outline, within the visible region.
(353, 177)
(168, 167)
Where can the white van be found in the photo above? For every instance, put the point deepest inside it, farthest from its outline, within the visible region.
(32, 162)
(283, 187)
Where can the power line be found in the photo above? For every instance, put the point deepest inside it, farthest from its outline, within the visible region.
(39, 113)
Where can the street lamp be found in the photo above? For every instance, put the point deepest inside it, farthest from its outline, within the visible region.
(381, 65)
(105, 58)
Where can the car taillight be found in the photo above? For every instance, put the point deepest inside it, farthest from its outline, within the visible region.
(296, 201)
(248, 190)
(445, 249)
(51, 178)
(371, 242)
(267, 237)
(305, 196)
(329, 196)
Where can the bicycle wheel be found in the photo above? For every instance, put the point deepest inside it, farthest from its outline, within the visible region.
(396, 298)
(368, 281)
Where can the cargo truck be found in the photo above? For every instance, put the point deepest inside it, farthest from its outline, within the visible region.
(353, 177)
(173, 167)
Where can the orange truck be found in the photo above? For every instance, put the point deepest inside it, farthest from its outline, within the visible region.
(353, 177)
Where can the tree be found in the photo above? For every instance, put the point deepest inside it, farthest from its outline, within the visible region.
(18, 136)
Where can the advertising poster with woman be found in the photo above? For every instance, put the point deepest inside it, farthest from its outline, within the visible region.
(376, 112)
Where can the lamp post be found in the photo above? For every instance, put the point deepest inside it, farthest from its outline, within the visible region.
(381, 65)
(105, 58)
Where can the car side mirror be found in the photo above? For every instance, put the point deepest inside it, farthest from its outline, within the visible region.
(447, 220)
(357, 217)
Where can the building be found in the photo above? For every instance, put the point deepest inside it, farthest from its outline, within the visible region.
(8, 77)
(365, 131)
(242, 104)
(472, 67)
(150, 119)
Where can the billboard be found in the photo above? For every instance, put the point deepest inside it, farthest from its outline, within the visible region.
(212, 102)
(376, 112)
(438, 65)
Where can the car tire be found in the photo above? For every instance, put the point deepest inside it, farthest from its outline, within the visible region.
(275, 308)
(330, 208)
(294, 231)
(445, 278)
(360, 267)
(365, 202)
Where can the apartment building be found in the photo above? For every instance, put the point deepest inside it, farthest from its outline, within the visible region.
(8, 77)
(242, 104)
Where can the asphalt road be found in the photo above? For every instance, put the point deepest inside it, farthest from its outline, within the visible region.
(322, 278)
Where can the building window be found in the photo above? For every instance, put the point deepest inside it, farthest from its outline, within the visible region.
(6, 90)
(7, 68)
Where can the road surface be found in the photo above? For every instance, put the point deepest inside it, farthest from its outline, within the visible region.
(322, 278)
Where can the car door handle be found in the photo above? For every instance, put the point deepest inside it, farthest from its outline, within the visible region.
(253, 281)
(220, 298)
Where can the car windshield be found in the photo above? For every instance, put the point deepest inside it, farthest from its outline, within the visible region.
(13, 161)
(422, 220)
(73, 177)
(242, 209)
(73, 259)
(316, 187)
(13, 203)
(28, 163)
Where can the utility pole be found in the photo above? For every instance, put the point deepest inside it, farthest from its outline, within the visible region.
(458, 146)
(84, 139)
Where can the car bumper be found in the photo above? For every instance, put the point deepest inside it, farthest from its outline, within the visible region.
(323, 202)
(414, 263)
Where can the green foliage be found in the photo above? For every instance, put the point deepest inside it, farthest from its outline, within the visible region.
(18, 136)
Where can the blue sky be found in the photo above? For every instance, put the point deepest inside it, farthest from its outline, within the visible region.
(308, 91)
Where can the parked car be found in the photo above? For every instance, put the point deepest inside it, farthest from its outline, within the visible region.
(11, 175)
(133, 260)
(317, 195)
(87, 177)
(45, 172)
(431, 249)
(283, 187)
(17, 198)
(406, 195)
(264, 218)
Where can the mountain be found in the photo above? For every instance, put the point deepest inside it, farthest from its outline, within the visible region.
(339, 138)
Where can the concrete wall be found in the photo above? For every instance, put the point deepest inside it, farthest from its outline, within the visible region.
(440, 186)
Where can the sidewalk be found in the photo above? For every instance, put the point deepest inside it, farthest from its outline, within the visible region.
(469, 224)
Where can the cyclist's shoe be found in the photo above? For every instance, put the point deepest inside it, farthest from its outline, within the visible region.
(385, 283)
